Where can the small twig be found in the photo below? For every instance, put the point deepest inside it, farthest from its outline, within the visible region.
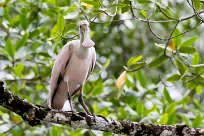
(173, 63)
(194, 10)
(151, 21)
(84, 14)
(196, 76)
(69, 38)
(167, 15)
(164, 82)
(116, 9)
(160, 38)
(94, 18)
(186, 18)
(183, 60)
(170, 37)
(131, 9)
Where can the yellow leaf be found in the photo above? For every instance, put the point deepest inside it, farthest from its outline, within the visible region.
(88, 6)
(121, 80)
(171, 48)
(172, 45)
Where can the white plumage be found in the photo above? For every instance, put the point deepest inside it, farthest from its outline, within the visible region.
(71, 70)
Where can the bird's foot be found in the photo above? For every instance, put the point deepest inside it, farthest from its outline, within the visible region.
(75, 117)
(90, 118)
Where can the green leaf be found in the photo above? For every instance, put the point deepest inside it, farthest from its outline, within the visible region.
(195, 59)
(70, 27)
(191, 85)
(199, 89)
(56, 131)
(125, 9)
(166, 10)
(177, 40)
(143, 1)
(4, 52)
(98, 89)
(45, 54)
(172, 119)
(140, 108)
(188, 42)
(14, 22)
(10, 48)
(60, 23)
(185, 49)
(55, 33)
(23, 19)
(180, 67)
(196, 4)
(197, 121)
(186, 121)
(91, 2)
(34, 33)
(136, 66)
(143, 13)
(171, 108)
(18, 70)
(158, 60)
(133, 60)
(38, 87)
(174, 78)
(167, 97)
(141, 78)
(107, 63)
(200, 80)
(164, 118)
(22, 41)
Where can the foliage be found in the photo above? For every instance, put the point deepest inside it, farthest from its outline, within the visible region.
(155, 42)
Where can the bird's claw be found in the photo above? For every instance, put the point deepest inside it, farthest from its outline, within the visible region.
(75, 117)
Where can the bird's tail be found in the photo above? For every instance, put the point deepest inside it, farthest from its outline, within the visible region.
(66, 106)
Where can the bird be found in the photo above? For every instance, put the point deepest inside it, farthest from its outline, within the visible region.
(71, 69)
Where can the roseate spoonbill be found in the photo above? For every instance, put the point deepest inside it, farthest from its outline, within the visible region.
(71, 70)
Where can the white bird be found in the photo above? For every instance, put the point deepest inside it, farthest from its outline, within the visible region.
(71, 70)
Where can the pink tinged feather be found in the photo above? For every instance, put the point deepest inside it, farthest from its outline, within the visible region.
(72, 68)
(59, 68)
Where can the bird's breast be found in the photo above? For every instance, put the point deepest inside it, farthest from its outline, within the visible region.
(77, 71)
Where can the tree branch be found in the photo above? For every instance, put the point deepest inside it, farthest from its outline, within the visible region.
(35, 115)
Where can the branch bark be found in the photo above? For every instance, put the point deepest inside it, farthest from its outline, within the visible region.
(35, 115)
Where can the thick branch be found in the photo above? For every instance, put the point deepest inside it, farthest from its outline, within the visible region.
(35, 115)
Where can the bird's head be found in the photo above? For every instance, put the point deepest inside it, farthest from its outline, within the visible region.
(84, 31)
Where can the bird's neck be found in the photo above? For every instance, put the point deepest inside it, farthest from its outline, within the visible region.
(82, 52)
(81, 38)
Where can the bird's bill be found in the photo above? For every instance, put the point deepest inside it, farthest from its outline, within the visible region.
(87, 42)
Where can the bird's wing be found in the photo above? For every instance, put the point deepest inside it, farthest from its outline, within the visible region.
(91, 67)
(58, 70)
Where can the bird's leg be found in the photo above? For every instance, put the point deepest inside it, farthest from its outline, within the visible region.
(69, 98)
(81, 101)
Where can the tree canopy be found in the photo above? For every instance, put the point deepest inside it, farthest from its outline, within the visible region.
(150, 59)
